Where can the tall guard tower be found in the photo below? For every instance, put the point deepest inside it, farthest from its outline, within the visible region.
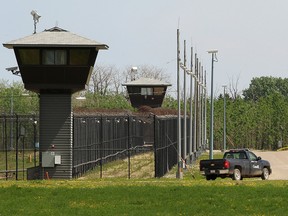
(55, 63)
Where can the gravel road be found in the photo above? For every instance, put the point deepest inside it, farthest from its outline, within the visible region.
(278, 161)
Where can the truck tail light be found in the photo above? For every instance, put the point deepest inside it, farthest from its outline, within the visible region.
(226, 164)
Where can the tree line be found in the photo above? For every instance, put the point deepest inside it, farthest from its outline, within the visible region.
(257, 119)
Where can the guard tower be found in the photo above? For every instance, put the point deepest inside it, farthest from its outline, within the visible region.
(55, 63)
(146, 92)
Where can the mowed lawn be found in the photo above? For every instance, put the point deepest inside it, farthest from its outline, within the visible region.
(143, 194)
(144, 197)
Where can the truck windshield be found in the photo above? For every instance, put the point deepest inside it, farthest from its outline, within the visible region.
(235, 155)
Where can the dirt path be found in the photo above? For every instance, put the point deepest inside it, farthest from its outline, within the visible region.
(279, 163)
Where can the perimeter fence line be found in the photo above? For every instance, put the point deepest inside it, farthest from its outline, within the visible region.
(97, 141)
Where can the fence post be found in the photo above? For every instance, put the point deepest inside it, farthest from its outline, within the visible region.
(129, 146)
(101, 146)
(22, 136)
(155, 148)
(17, 134)
(6, 145)
(35, 138)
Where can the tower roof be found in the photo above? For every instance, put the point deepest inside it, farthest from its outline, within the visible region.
(54, 37)
(146, 82)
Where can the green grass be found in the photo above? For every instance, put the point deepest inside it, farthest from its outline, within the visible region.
(144, 197)
(283, 149)
(28, 159)
(141, 166)
(192, 195)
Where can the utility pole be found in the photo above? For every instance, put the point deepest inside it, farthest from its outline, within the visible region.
(199, 108)
(213, 52)
(205, 110)
(197, 121)
(179, 170)
(201, 86)
(184, 153)
(191, 109)
(195, 105)
(224, 119)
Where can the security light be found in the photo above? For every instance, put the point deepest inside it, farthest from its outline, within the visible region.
(36, 18)
(134, 68)
(212, 51)
(133, 73)
(35, 15)
(81, 98)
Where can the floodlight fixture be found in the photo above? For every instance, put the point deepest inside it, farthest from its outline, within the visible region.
(35, 15)
(36, 18)
(134, 68)
(81, 98)
(212, 51)
(133, 73)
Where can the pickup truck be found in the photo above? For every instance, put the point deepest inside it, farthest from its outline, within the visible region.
(236, 164)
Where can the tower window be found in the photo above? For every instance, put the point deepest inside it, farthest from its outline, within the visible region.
(54, 57)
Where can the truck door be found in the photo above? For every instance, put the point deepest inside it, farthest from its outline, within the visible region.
(245, 164)
(255, 168)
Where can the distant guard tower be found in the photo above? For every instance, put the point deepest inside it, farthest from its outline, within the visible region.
(146, 92)
(55, 63)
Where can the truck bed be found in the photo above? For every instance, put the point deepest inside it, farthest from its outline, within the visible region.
(211, 164)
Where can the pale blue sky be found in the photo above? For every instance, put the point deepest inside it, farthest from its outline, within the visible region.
(251, 36)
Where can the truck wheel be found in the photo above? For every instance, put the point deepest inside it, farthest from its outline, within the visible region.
(236, 175)
(208, 177)
(265, 174)
(213, 177)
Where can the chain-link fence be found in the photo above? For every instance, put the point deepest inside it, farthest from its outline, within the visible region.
(18, 145)
(98, 140)
(102, 139)
(165, 145)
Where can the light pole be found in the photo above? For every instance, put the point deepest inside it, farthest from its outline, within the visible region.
(213, 52)
(224, 119)
(179, 173)
(184, 153)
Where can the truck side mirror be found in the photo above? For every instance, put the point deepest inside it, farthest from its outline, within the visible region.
(259, 158)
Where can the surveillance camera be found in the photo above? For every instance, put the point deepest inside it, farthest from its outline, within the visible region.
(12, 69)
